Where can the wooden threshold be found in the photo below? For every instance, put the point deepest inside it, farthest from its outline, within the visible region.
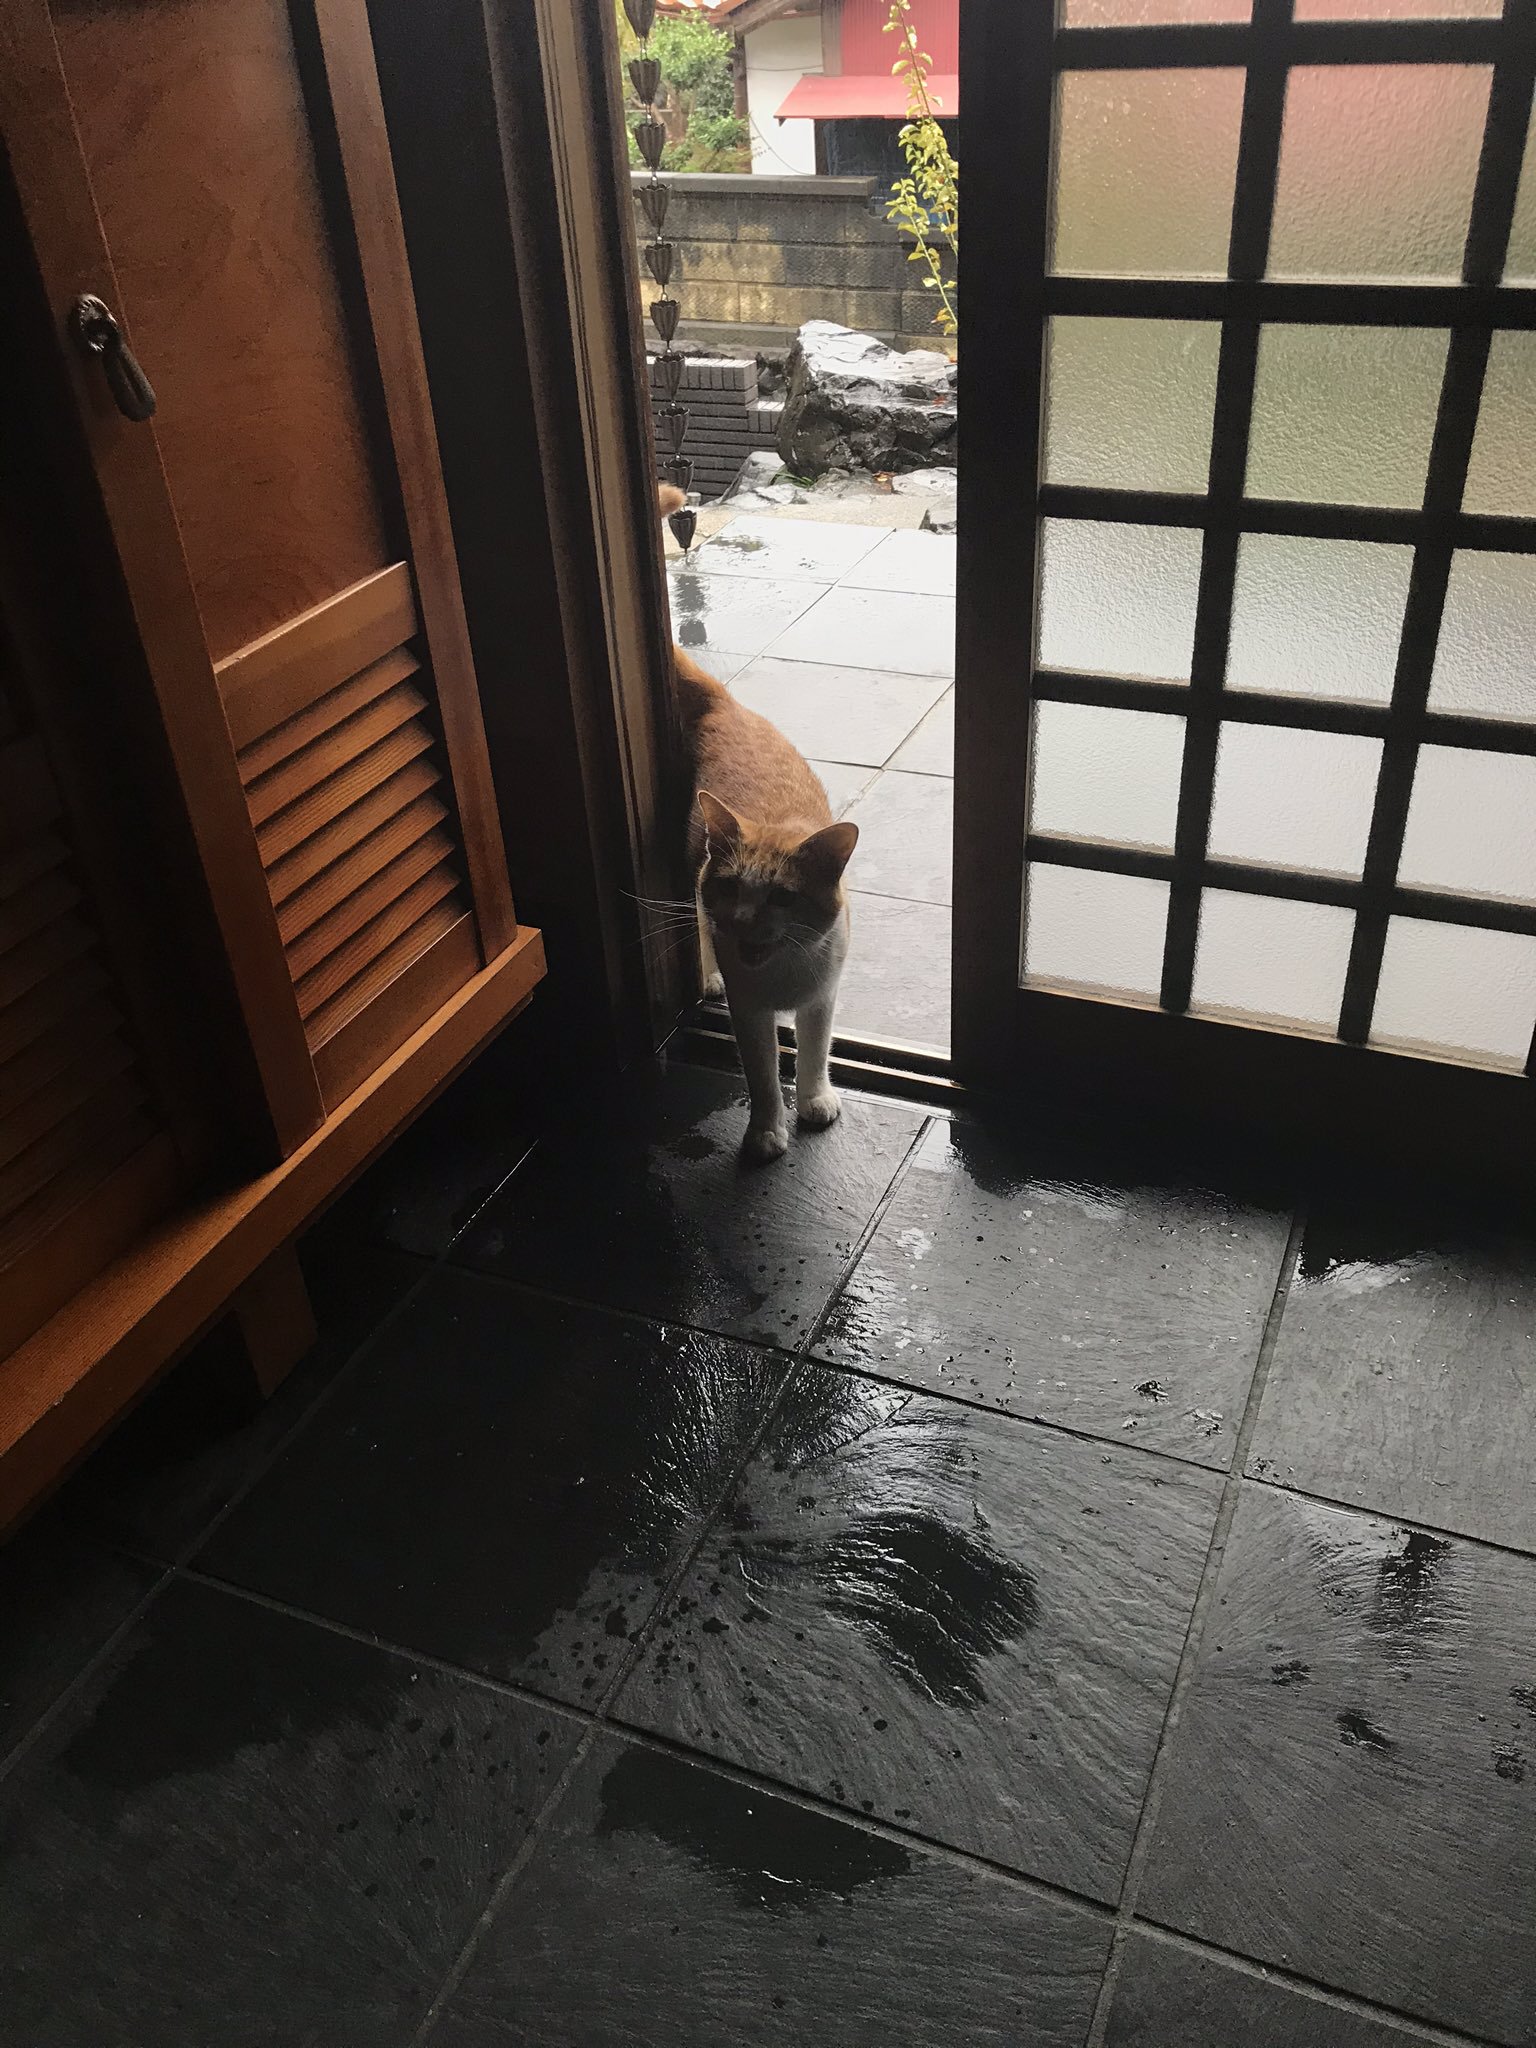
(70, 1380)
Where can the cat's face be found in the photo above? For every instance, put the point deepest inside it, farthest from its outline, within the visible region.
(767, 893)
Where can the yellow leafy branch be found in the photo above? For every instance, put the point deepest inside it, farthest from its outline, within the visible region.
(925, 205)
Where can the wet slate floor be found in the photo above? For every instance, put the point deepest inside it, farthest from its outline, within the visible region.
(954, 1586)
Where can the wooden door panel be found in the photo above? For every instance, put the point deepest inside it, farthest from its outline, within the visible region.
(194, 127)
(354, 718)
(85, 1157)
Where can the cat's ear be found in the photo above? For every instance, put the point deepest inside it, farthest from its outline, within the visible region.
(823, 856)
(722, 827)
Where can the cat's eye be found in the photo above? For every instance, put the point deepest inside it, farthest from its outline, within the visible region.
(724, 885)
(781, 899)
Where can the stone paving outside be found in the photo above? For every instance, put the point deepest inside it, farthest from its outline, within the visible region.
(837, 622)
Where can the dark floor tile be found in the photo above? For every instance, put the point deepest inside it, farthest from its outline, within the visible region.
(256, 1832)
(1171, 1997)
(641, 1200)
(1352, 1791)
(1405, 1371)
(961, 1623)
(199, 1438)
(62, 1596)
(441, 1171)
(670, 1906)
(1034, 1277)
(505, 1483)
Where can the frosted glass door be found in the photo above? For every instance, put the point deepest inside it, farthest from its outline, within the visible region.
(1281, 725)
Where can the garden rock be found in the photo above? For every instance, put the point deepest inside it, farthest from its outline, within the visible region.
(854, 403)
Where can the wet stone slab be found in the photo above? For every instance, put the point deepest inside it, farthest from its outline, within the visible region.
(506, 1484)
(1404, 1379)
(641, 1200)
(669, 1904)
(784, 550)
(1030, 1276)
(1173, 1997)
(733, 614)
(958, 1623)
(1352, 1790)
(252, 1831)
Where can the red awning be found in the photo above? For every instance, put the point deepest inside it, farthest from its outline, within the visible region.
(861, 98)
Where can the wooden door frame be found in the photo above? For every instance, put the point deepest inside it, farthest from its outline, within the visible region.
(508, 142)
(598, 358)
(1102, 1057)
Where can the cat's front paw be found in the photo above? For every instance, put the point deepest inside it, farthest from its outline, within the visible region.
(764, 1142)
(817, 1111)
(714, 987)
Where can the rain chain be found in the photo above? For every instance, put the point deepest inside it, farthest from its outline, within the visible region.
(660, 257)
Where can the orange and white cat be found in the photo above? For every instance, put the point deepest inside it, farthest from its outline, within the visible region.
(768, 859)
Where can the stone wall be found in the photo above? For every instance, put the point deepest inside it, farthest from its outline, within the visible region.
(757, 256)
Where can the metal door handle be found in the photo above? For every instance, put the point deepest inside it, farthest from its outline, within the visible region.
(99, 335)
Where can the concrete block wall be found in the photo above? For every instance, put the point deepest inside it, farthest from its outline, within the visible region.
(764, 254)
(726, 419)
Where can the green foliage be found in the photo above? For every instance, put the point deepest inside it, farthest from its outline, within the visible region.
(717, 142)
(925, 205)
(696, 82)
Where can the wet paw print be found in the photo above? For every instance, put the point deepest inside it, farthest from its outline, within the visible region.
(1509, 1763)
(1293, 1672)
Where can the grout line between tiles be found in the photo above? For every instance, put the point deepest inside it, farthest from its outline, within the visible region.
(1011, 1415)
(1194, 1637)
(45, 1720)
(511, 1688)
(349, 1368)
(603, 1712)
(1411, 2029)
(167, 1569)
(867, 1823)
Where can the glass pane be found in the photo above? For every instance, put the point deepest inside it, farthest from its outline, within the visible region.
(1395, 10)
(1485, 662)
(1087, 930)
(1344, 415)
(1453, 989)
(1520, 258)
(1317, 618)
(1502, 473)
(1294, 799)
(1119, 600)
(1150, 13)
(1261, 956)
(1145, 165)
(1130, 403)
(1472, 824)
(1100, 774)
(1377, 166)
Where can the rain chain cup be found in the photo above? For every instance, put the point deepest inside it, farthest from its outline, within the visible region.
(661, 261)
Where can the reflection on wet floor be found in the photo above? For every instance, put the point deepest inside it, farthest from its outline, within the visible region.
(719, 1607)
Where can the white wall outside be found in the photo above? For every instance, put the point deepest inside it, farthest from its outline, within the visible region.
(778, 55)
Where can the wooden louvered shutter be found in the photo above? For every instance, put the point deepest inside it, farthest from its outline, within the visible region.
(85, 1158)
(281, 521)
(332, 720)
